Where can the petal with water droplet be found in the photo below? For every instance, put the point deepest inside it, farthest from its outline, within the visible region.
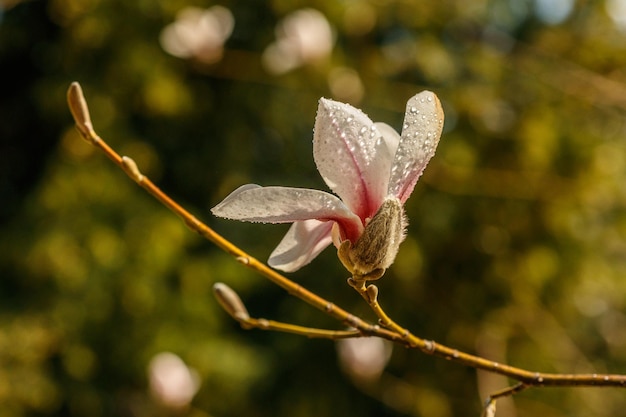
(285, 205)
(349, 152)
(423, 123)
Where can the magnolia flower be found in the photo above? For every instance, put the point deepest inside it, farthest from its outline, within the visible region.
(370, 167)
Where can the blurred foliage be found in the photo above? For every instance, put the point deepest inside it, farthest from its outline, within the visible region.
(517, 238)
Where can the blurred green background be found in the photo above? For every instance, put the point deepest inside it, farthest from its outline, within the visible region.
(517, 238)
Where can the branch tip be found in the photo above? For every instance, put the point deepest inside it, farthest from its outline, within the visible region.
(80, 110)
(230, 301)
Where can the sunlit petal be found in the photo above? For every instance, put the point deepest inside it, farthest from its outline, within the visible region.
(285, 205)
(423, 123)
(302, 243)
(390, 137)
(352, 156)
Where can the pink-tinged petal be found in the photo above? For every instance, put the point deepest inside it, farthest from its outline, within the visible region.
(253, 203)
(302, 243)
(350, 153)
(423, 123)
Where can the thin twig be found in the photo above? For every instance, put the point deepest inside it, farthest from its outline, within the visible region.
(388, 329)
(489, 409)
(310, 332)
(526, 378)
(80, 111)
(508, 391)
(231, 302)
(370, 294)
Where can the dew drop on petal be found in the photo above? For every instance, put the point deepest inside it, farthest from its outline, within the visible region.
(420, 134)
(351, 137)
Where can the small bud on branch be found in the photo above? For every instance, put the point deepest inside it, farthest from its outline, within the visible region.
(230, 301)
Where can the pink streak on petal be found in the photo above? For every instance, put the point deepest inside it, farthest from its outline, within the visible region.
(349, 153)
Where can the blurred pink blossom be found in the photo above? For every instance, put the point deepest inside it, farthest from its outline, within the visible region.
(172, 383)
(302, 37)
(364, 359)
(198, 33)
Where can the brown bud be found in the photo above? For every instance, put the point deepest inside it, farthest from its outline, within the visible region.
(377, 247)
(230, 301)
(78, 107)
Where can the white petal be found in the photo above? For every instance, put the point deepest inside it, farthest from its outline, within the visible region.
(253, 203)
(390, 136)
(233, 196)
(302, 243)
(352, 156)
(423, 123)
